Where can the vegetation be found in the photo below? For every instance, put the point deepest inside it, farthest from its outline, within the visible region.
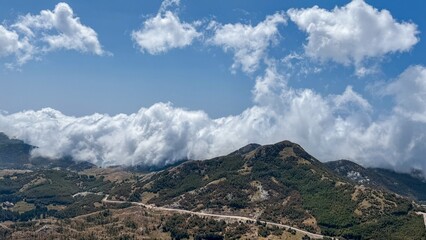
(43, 188)
(279, 183)
(297, 189)
(185, 226)
(406, 184)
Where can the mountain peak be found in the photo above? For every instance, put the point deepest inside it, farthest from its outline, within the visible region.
(283, 149)
(246, 149)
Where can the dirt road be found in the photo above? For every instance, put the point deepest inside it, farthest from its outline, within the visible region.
(217, 216)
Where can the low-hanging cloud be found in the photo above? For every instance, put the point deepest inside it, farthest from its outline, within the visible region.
(33, 35)
(353, 33)
(329, 127)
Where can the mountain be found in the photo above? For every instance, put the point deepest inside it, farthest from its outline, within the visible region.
(16, 154)
(411, 185)
(279, 183)
(13, 153)
(282, 183)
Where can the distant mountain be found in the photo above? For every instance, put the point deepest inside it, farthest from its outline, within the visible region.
(16, 154)
(13, 153)
(411, 185)
(283, 183)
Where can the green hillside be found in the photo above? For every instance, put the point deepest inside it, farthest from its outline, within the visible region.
(411, 185)
(282, 183)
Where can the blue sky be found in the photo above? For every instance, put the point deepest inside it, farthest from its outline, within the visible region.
(195, 79)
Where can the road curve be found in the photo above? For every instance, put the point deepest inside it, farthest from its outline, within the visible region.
(424, 216)
(219, 216)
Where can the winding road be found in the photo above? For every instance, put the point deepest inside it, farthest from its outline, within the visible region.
(218, 216)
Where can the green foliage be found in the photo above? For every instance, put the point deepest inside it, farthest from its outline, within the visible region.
(263, 232)
(305, 185)
(175, 225)
(44, 187)
(332, 207)
(80, 206)
(185, 226)
(9, 185)
(236, 230)
(101, 218)
(306, 237)
(57, 188)
(130, 224)
(122, 189)
(209, 236)
(389, 227)
(6, 215)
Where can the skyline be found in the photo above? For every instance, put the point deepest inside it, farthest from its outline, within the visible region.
(178, 79)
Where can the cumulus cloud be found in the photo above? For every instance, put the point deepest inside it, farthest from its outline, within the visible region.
(9, 42)
(165, 31)
(248, 43)
(410, 93)
(12, 44)
(154, 136)
(352, 34)
(330, 127)
(33, 35)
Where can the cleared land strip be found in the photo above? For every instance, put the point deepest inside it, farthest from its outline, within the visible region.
(218, 216)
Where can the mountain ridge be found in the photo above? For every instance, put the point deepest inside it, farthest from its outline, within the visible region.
(405, 184)
(279, 183)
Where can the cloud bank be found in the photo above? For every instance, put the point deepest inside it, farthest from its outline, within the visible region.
(329, 127)
(353, 33)
(33, 35)
(164, 31)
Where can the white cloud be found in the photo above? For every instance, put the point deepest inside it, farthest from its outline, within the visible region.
(68, 32)
(166, 4)
(248, 43)
(352, 34)
(329, 127)
(33, 35)
(410, 93)
(270, 85)
(9, 42)
(152, 136)
(165, 31)
(350, 96)
(12, 45)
